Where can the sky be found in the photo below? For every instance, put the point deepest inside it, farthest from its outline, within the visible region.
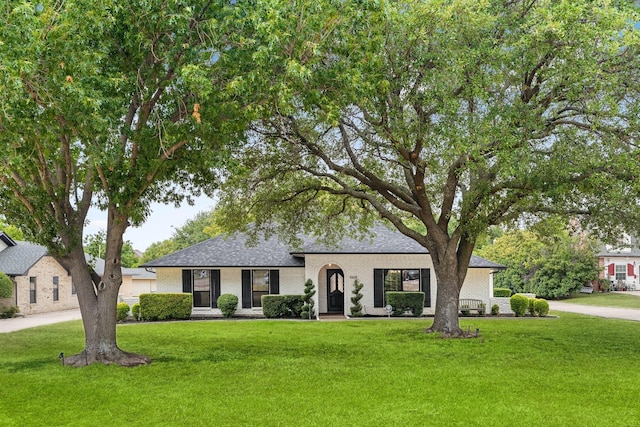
(162, 221)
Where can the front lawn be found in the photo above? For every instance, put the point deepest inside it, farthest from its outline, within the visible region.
(608, 299)
(572, 370)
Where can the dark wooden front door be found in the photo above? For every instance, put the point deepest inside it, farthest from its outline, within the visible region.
(335, 291)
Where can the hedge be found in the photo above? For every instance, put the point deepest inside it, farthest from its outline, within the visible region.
(502, 292)
(406, 301)
(122, 311)
(6, 286)
(541, 307)
(277, 306)
(165, 306)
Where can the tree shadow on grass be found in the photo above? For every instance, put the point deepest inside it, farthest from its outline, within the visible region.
(28, 365)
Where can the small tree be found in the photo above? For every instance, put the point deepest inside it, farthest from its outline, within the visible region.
(227, 303)
(6, 286)
(356, 308)
(307, 309)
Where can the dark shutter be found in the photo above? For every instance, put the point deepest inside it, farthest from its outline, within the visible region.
(274, 281)
(246, 288)
(378, 287)
(612, 269)
(425, 285)
(186, 281)
(214, 278)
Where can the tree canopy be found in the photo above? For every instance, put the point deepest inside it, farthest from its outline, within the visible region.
(458, 115)
(112, 104)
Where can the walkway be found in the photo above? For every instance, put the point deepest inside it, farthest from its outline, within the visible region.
(33, 320)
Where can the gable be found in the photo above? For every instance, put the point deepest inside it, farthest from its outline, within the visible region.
(16, 260)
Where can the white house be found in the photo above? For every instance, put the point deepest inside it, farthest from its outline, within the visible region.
(620, 264)
(387, 261)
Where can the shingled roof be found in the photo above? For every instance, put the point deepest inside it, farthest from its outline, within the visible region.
(17, 259)
(233, 251)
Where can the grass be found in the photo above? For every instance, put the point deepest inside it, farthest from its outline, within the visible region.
(572, 370)
(608, 299)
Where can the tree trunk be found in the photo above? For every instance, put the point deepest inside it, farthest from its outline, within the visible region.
(450, 272)
(98, 303)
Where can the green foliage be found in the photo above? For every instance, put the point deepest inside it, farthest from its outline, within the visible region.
(495, 309)
(6, 286)
(356, 307)
(11, 230)
(278, 306)
(122, 311)
(530, 308)
(158, 250)
(96, 244)
(502, 292)
(406, 301)
(135, 311)
(165, 306)
(308, 312)
(551, 266)
(541, 307)
(8, 312)
(519, 304)
(227, 303)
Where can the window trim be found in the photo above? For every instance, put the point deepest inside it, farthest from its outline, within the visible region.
(33, 290)
(55, 288)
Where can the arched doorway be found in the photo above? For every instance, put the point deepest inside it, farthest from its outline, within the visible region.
(335, 290)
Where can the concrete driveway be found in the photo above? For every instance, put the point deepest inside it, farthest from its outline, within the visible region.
(608, 312)
(33, 320)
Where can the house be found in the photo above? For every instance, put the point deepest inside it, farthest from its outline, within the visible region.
(387, 261)
(42, 285)
(620, 264)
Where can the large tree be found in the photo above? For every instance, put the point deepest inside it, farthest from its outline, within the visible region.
(457, 115)
(112, 104)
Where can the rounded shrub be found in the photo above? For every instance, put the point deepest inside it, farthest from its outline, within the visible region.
(122, 311)
(541, 307)
(135, 311)
(6, 286)
(530, 307)
(227, 303)
(495, 309)
(519, 304)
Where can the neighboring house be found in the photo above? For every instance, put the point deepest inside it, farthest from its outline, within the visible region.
(620, 264)
(387, 261)
(41, 284)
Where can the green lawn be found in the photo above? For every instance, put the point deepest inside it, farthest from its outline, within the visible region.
(572, 370)
(608, 299)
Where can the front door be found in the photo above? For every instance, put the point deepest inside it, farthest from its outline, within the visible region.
(335, 291)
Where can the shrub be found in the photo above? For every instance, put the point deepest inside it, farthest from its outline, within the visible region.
(227, 303)
(307, 309)
(165, 306)
(6, 286)
(277, 306)
(530, 306)
(9, 312)
(356, 307)
(495, 309)
(406, 301)
(502, 292)
(122, 311)
(541, 307)
(519, 304)
(135, 311)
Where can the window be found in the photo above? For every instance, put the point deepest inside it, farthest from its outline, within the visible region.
(401, 280)
(201, 288)
(256, 283)
(204, 285)
(259, 286)
(621, 272)
(56, 288)
(32, 290)
(74, 291)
